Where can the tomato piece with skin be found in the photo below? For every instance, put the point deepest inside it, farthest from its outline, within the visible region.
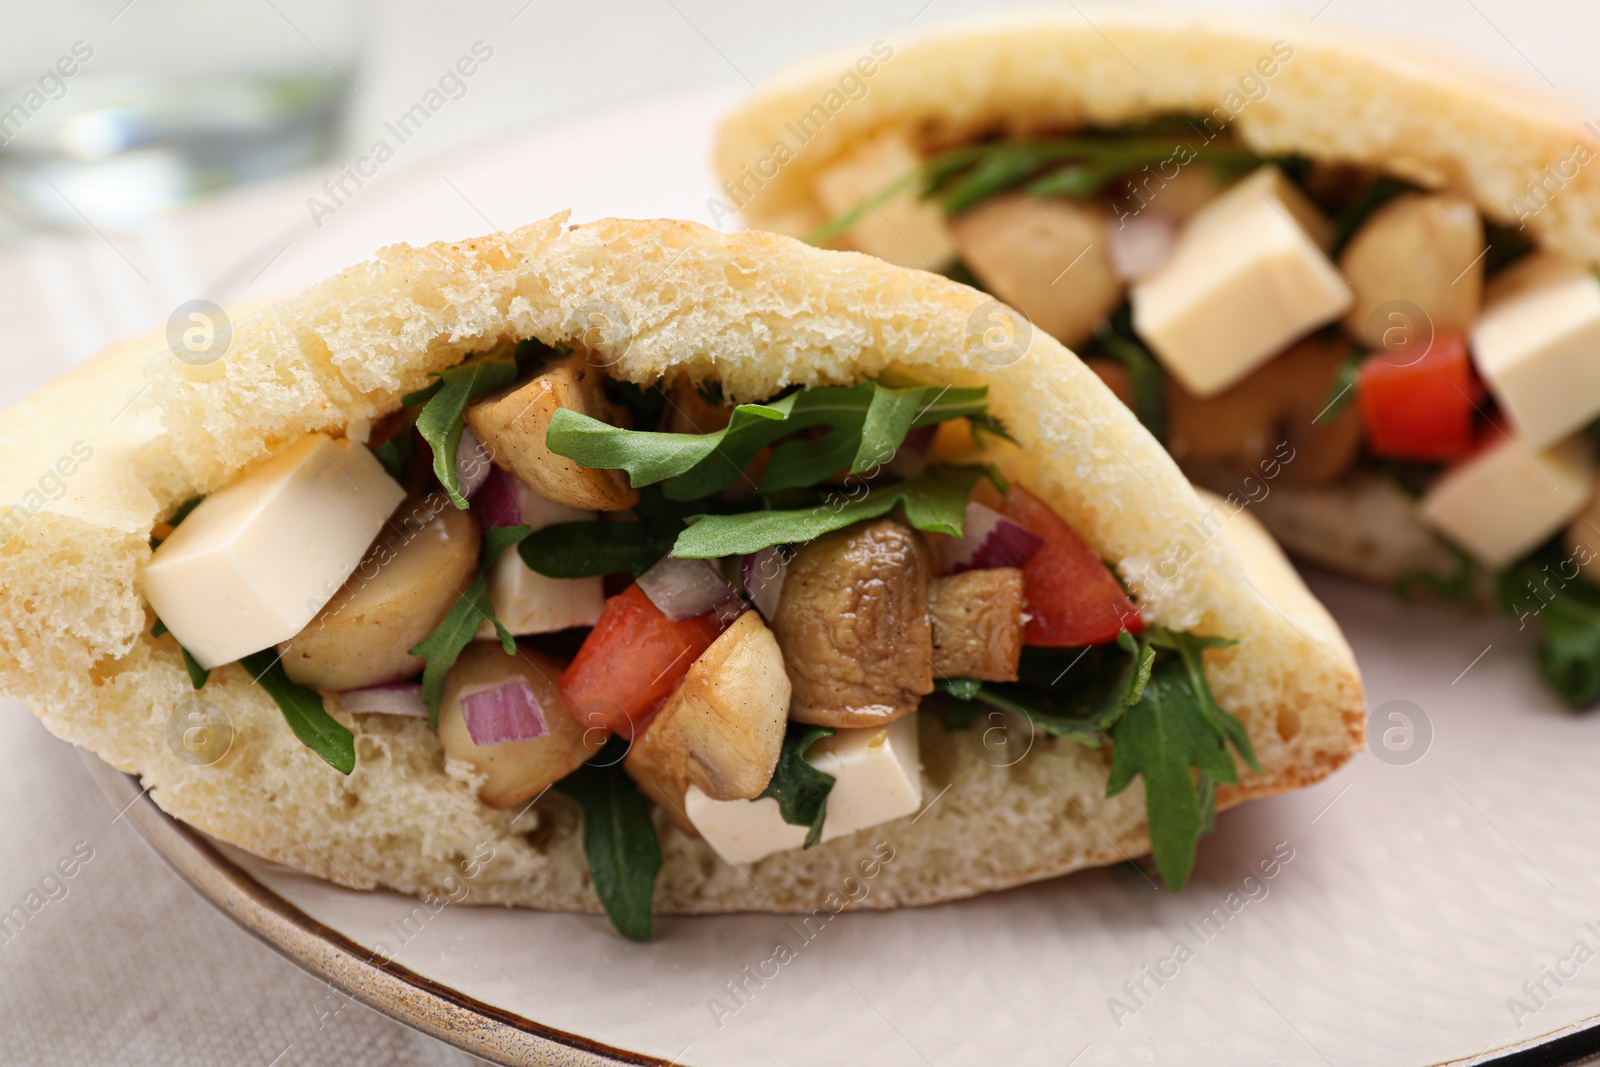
(632, 661)
(1073, 598)
(1420, 403)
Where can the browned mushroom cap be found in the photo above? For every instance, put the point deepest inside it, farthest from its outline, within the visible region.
(513, 423)
(853, 626)
(1278, 415)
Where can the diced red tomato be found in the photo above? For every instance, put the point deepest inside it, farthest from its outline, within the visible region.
(1073, 598)
(1420, 404)
(631, 661)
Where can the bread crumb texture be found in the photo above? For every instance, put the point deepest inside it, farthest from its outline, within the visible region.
(756, 312)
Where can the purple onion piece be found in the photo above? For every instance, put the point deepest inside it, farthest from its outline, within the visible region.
(496, 502)
(990, 540)
(684, 588)
(506, 712)
(762, 574)
(396, 698)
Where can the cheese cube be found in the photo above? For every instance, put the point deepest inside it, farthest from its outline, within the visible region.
(256, 560)
(1246, 277)
(906, 230)
(877, 778)
(1510, 497)
(1538, 348)
(527, 602)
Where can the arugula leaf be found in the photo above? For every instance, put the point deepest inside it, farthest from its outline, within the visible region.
(1145, 375)
(1342, 390)
(618, 838)
(1567, 607)
(586, 549)
(396, 452)
(1161, 738)
(1378, 192)
(302, 709)
(197, 673)
(799, 788)
(1462, 585)
(697, 465)
(443, 646)
(1191, 650)
(934, 500)
(444, 413)
(1081, 712)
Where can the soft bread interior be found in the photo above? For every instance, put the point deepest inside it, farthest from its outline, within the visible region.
(754, 311)
(1337, 98)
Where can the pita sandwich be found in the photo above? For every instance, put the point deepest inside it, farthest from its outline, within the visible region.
(1343, 284)
(328, 436)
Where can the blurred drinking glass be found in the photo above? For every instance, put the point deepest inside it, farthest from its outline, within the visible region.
(112, 111)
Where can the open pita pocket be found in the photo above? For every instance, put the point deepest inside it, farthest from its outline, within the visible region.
(1327, 248)
(751, 313)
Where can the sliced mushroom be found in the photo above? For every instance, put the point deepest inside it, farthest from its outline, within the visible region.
(1424, 249)
(403, 588)
(853, 626)
(1048, 258)
(1278, 415)
(722, 730)
(514, 771)
(977, 624)
(904, 229)
(512, 424)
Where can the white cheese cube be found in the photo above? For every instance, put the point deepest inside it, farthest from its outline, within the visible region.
(1246, 277)
(906, 229)
(259, 558)
(1510, 497)
(1538, 349)
(877, 778)
(527, 602)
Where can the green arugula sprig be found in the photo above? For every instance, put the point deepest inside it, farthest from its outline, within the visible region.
(1117, 339)
(1079, 167)
(443, 646)
(1546, 588)
(935, 500)
(588, 549)
(799, 788)
(1148, 695)
(197, 673)
(619, 839)
(302, 709)
(867, 423)
(444, 409)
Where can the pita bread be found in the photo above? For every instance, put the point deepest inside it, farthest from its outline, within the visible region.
(1339, 98)
(755, 312)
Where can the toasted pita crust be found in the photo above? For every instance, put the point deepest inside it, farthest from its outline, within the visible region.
(754, 311)
(1340, 98)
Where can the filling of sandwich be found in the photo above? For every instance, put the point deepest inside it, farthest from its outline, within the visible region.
(1419, 385)
(644, 594)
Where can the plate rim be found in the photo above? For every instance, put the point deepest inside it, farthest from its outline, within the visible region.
(397, 992)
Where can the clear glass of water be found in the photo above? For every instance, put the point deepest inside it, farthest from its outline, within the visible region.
(113, 111)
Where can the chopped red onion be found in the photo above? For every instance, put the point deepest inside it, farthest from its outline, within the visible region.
(684, 588)
(397, 698)
(505, 712)
(762, 575)
(1140, 243)
(911, 458)
(472, 462)
(989, 540)
(496, 503)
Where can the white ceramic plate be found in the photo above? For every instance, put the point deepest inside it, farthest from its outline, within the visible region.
(1412, 899)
